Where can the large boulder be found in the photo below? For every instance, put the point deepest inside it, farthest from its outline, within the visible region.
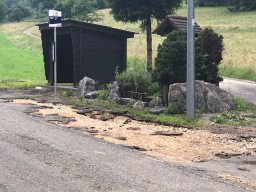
(86, 85)
(209, 97)
(114, 94)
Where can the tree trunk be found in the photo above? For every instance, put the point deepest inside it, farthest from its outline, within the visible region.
(149, 45)
(165, 89)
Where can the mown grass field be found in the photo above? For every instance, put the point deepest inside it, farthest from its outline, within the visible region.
(21, 61)
(21, 56)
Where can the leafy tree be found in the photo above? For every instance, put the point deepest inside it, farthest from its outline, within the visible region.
(85, 10)
(17, 13)
(211, 2)
(102, 4)
(65, 6)
(44, 4)
(144, 11)
(2, 10)
(171, 58)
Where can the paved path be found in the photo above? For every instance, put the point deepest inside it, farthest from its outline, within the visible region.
(29, 33)
(37, 156)
(243, 89)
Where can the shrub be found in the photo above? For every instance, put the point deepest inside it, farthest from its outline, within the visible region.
(135, 78)
(171, 58)
(211, 45)
(170, 63)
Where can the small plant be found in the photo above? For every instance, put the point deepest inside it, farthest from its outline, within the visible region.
(175, 109)
(241, 105)
(103, 94)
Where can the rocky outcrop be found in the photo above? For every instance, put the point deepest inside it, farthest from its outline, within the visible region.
(209, 97)
(86, 85)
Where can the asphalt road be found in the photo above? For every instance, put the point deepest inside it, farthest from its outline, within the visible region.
(38, 156)
(243, 89)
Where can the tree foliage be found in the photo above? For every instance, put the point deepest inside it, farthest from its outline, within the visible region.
(2, 10)
(17, 13)
(202, 3)
(143, 11)
(171, 58)
(85, 10)
(242, 5)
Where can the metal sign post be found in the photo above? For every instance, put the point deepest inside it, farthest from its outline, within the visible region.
(190, 61)
(55, 21)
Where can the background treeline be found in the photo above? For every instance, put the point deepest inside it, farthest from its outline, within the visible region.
(16, 10)
(232, 5)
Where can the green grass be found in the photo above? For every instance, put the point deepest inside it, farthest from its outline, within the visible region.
(20, 68)
(244, 114)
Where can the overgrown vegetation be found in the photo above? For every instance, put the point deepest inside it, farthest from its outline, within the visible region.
(136, 78)
(243, 115)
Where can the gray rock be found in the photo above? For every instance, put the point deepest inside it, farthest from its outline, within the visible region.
(156, 102)
(91, 95)
(86, 85)
(114, 94)
(209, 97)
(139, 105)
(157, 110)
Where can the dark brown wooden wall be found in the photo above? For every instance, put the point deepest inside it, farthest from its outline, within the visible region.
(98, 55)
(84, 53)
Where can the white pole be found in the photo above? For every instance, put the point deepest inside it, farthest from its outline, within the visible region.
(55, 61)
(190, 61)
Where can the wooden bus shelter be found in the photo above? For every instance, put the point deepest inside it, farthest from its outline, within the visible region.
(84, 49)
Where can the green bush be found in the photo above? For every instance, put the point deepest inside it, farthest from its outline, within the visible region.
(136, 79)
(171, 58)
(211, 45)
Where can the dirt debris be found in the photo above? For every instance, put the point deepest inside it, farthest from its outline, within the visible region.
(190, 146)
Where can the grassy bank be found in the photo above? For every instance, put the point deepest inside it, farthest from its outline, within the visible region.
(20, 68)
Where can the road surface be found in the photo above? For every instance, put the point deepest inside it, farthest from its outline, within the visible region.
(243, 89)
(38, 156)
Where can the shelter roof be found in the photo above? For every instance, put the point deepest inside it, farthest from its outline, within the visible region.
(90, 26)
(171, 23)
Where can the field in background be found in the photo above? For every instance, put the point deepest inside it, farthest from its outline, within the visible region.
(238, 29)
(21, 56)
